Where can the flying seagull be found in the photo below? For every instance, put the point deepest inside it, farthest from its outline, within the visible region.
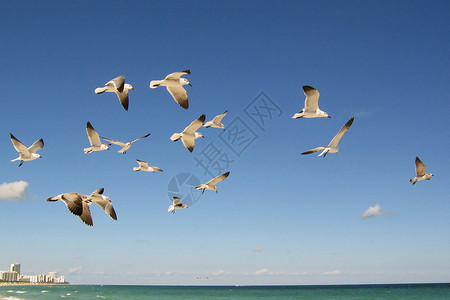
(311, 109)
(103, 201)
(211, 185)
(118, 86)
(333, 146)
(125, 146)
(94, 140)
(420, 172)
(76, 204)
(216, 122)
(189, 134)
(26, 154)
(174, 84)
(143, 166)
(176, 204)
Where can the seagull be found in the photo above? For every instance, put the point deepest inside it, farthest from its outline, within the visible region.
(103, 201)
(311, 109)
(125, 146)
(174, 85)
(420, 172)
(118, 86)
(26, 154)
(333, 146)
(143, 166)
(211, 185)
(176, 204)
(189, 135)
(216, 122)
(76, 204)
(94, 140)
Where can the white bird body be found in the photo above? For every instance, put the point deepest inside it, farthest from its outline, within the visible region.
(211, 185)
(26, 154)
(189, 134)
(125, 146)
(94, 140)
(118, 86)
(333, 146)
(420, 172)
(143, 166)
(311, 109)
(216, 122)
(174, 85)
(176, 204)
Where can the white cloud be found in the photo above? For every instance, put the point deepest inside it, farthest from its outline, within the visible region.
(267, 272)
(335, 272)
(14, 190)
(372, 211)
(218, 273)
(259, 249)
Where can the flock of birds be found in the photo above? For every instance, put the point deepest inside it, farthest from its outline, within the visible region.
(78, 204)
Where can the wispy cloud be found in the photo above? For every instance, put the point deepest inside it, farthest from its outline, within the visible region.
(333, 273)
(74, 270)
(258, 249)
(267, 272)
(374, 211)
(13, 191)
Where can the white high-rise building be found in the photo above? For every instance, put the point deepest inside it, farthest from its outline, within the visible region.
(14, 268)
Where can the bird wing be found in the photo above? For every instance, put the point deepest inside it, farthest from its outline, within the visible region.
(334, 142)
(177, 75)
(142, 137)
(74, 202)
(114, 142)
(21, 148)
(313, 150)
(218, 119)
(176, 201)
(156, 168)
(217, 179)
(312, 98)
(180, 95)
(105, 204)
(118, 83)
(94, 138)
(188, 142)
(86, 215)
(36, 146)
(420, 167)
(123, 98)
(142, 163)
(196, 124)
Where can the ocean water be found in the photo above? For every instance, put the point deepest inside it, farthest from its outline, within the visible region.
(119, 292)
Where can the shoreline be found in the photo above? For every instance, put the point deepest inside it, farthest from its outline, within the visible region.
(28, 283)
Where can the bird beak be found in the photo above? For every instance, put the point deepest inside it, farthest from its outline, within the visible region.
(190, 84)
(329, 117)
(133, 89)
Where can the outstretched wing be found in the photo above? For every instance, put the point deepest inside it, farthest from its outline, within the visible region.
(94, 138)
(21, 148)
(192, 128)
(142, 163)
(334, 142)
(313, 150)
(420, 167)
(312, 98)
(142, 137)
(217, 179)
(36, 146)
(114, 142)
(176, 201)
(180, 95)
(177, 75)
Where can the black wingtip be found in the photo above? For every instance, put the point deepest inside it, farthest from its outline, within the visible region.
(187, 71)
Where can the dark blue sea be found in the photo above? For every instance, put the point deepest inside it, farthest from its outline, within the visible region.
(119, 292)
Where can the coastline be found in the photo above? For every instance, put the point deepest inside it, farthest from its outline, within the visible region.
(28, 283)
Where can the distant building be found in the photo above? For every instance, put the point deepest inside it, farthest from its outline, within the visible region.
(14, 268)
(9, 276)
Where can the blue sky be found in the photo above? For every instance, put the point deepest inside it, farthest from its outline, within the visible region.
(280, 217)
